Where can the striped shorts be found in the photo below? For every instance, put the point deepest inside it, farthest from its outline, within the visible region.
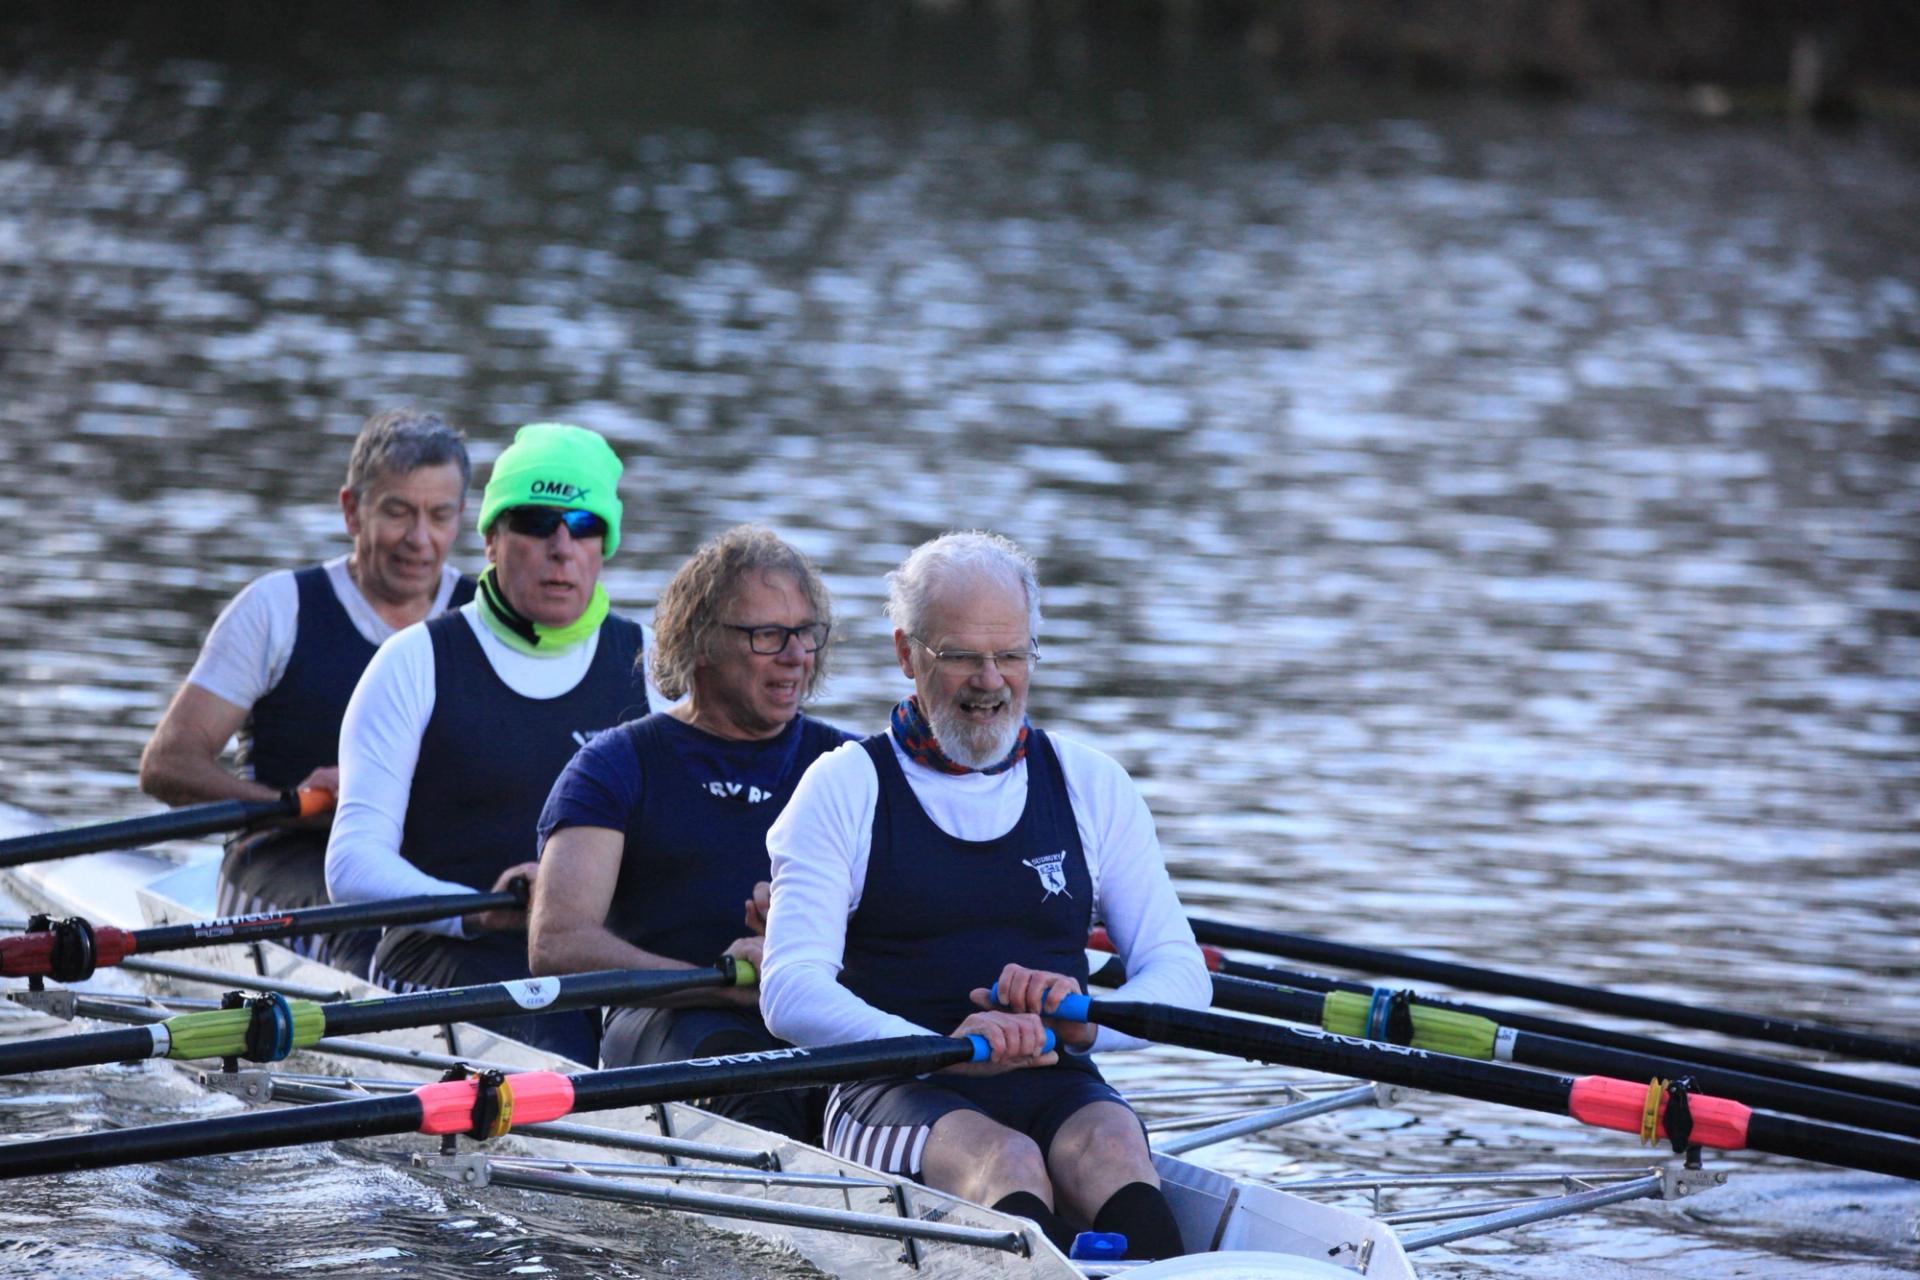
(284, 870)
(883, 1123)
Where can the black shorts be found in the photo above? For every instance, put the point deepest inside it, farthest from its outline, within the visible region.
(884, 1122)
(415, 960)
(285, 869)
(637, 1034)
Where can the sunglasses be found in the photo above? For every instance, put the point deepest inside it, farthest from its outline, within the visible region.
(540, 522)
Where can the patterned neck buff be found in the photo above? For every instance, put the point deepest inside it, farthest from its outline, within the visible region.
(523, 634)
(911, 729)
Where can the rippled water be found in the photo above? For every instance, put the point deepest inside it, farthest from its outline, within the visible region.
(1483, 527)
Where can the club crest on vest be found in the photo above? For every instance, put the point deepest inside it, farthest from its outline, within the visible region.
(1052, 872)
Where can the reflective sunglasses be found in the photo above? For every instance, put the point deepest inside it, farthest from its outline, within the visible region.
(540, 522)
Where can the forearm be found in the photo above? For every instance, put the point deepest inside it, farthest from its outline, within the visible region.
(583, 948)
(806, 1005)
(176, 777)
(182, 762)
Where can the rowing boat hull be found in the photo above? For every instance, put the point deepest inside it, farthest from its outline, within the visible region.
(1247, 1221)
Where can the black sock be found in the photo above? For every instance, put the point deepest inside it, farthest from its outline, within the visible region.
(1140, 1212)
(1025, 1204)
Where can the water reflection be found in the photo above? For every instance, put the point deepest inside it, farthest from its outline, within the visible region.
(1484, 529)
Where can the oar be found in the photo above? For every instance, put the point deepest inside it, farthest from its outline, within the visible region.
(1585, 1033)
(492, 1104)
(1653, 1109)
(174, 824)
(1808, 1035)
(1383, 1016)
(269, 1028)
(70, 950)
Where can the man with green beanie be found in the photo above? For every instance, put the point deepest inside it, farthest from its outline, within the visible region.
(458, 729)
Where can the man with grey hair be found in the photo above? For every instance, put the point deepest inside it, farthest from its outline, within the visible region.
(965, 850)
(654, 838)
(283, 658)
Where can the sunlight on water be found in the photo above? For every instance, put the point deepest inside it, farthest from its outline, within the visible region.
(1483, 528)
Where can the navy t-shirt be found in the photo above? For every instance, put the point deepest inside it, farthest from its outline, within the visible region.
(694, 810)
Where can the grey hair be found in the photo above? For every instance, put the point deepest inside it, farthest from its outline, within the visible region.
(394, 442)
(932, 565)
(686, 621)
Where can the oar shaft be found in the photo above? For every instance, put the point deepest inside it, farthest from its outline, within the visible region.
(70, 950)
(1535, 1050)
(54, 1053)
(1556, 1053)
(267, 926)
(223, 1135)
(444, 1107)
(537, 995)
(1315, 1050)
(1797, 1073)
(1729, 1123)
(1471, 977)
(793, 1068)
(224, 1032)
(175, 824)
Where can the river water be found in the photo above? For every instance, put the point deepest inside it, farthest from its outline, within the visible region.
(1484, 527)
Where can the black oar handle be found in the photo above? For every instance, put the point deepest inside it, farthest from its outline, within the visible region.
(1752, 1026)
(175, 824)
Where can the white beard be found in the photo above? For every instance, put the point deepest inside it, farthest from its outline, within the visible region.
(975, 746)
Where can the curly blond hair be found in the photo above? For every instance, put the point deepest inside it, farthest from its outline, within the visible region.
(687, 620)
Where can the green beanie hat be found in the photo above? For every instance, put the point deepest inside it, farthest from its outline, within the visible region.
(550, 464)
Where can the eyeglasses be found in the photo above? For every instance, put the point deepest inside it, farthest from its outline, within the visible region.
(1008, 662)
(540, 522)
(771, 639)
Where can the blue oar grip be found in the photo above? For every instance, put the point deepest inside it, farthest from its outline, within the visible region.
(1073, 1008)
(982, 1051)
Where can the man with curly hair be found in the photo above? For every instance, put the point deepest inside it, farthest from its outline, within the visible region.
(653, 841)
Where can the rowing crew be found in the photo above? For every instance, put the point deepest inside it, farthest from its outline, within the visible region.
(883, 885)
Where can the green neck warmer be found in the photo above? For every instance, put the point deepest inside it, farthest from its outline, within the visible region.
(523, 634)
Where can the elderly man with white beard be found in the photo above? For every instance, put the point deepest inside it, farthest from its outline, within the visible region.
(961, 849)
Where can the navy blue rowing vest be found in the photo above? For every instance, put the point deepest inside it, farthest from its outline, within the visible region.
(693, 857)
(940, 916)
(490, 755)
(295, 728)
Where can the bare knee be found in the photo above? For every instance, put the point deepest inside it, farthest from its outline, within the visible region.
(1097, 1152)
(978, 1159)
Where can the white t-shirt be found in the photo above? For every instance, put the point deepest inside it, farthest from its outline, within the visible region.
(821, 842)
(247, 652)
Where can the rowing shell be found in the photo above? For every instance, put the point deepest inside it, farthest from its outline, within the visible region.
(840, 1216)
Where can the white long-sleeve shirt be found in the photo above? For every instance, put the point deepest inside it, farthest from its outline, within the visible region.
(821, 843)
(380, 745)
